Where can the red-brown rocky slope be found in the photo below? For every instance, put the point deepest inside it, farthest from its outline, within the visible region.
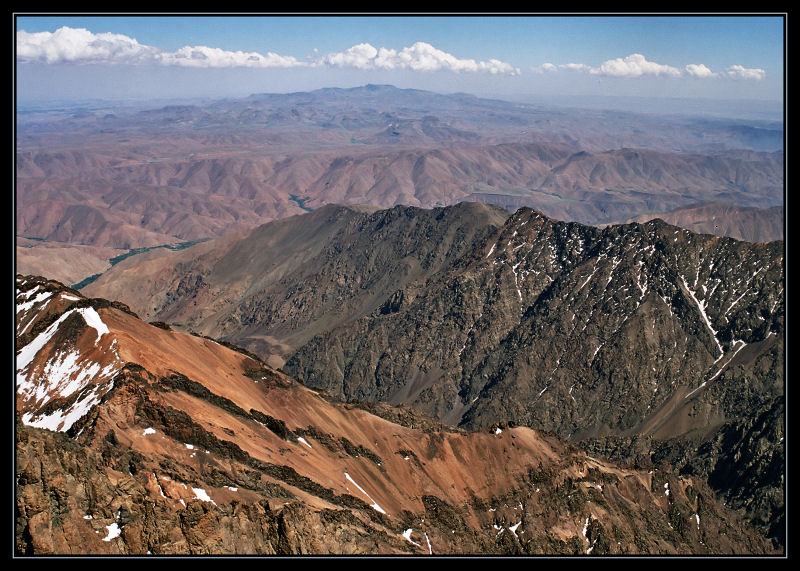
(136, 439)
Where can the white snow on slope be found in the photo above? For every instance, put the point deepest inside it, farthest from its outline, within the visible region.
(407, 535)
(62, 420)
(113, 531)
(29, 351)
(374, 505)
(201, 494)
(66, 373)
(702, 308)
(26, 305)
(92, 319)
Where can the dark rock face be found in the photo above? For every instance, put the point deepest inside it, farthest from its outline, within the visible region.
(635, 330)
(743, 461)
(613, 323)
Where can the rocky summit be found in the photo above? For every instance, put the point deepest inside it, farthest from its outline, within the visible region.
(133, 438)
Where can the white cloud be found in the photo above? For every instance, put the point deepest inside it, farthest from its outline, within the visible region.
(202, 56)
(361, 56)
(421, 56)
(71, 45)
(699, 70)
(78, 45)
(576, 67)
(740, 72)
(635, 65)
(545, 67)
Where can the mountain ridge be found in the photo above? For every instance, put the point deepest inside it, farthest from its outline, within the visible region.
(641, 331)
(151, 467)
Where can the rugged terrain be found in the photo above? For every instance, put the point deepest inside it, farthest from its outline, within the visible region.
(602, 336)
(136, 439)
(127, 178)
(650, 349)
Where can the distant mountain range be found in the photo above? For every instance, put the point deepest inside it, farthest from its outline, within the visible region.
(178, 173)
(743, 223)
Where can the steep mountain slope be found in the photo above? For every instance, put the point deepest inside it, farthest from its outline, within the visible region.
(607, 337)
(638, 331)
(274, 288)
(646, 314)
(135, 439)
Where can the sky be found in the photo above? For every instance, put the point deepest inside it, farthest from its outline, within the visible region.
(69, 57)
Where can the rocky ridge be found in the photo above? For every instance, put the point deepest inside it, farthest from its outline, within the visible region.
(136, 439)
(635, 332)
(631, 332)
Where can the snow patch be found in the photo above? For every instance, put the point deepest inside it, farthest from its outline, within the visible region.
(29, 351)
(92, 319)
(407, 535)
(374, 505)
(25, 306)
(702, 308)
(113, 531)
(62, 420)
(201, 494)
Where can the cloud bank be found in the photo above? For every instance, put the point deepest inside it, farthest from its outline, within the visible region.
(636, 65)
(419, 57)
(80, 46)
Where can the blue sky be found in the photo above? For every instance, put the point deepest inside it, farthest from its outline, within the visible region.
(158, 56)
